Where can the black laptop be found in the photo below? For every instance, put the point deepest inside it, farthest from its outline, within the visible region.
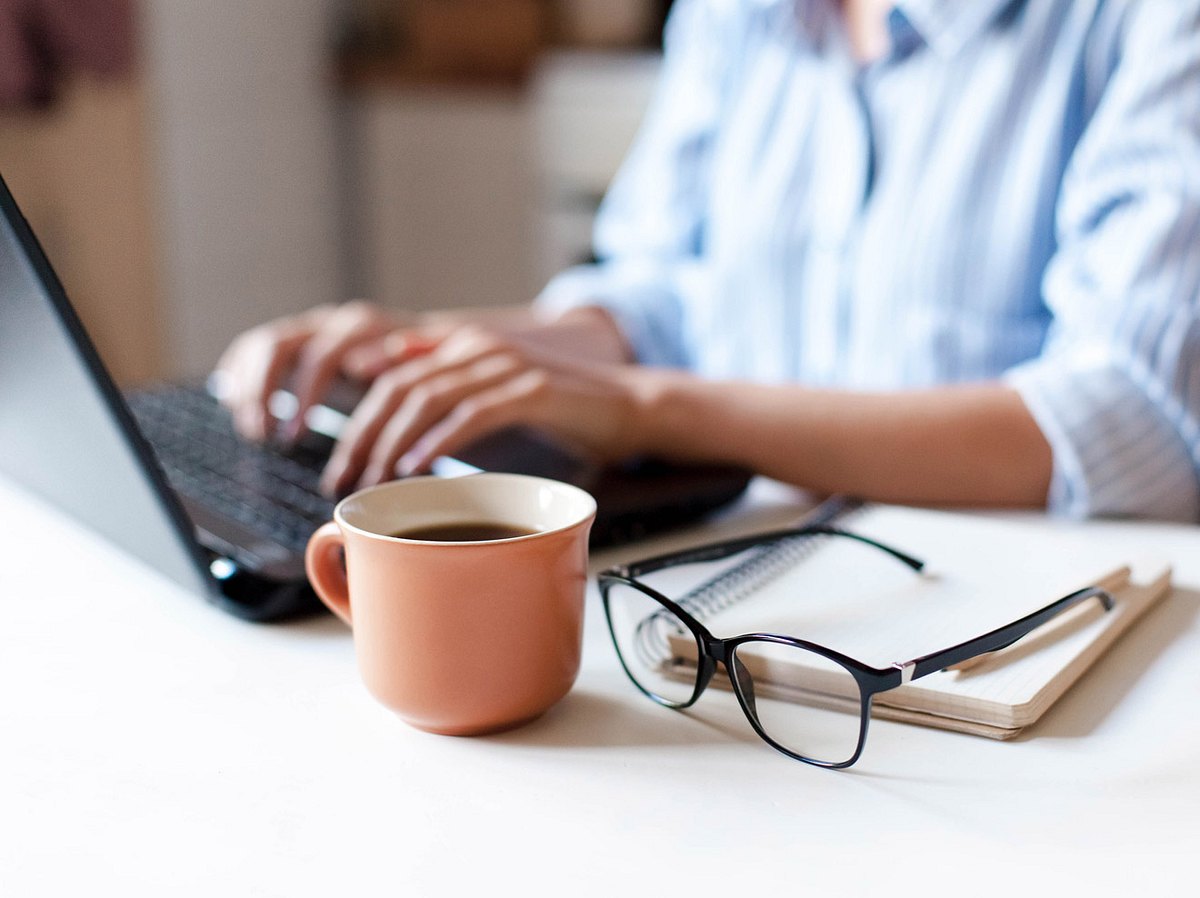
(161, 472)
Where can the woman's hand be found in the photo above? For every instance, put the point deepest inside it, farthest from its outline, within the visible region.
(471, 382)
(306, 351)
(361, 341)
(437, 383)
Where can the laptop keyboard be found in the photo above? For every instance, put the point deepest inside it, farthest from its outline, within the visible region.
(271, 493)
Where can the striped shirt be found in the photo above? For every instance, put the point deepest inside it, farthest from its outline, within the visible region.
(1013, 193)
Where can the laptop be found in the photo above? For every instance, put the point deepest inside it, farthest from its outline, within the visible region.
(162, 474)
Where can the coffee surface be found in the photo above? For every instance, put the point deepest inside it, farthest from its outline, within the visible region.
(464, 531)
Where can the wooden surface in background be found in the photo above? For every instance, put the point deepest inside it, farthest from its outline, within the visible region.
(80, 172)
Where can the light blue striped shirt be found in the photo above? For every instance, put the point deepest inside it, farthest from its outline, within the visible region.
(1013, 193)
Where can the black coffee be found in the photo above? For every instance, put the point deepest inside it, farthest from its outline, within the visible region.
(465, 531)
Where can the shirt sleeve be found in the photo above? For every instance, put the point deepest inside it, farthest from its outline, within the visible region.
(1116, 389)
(649, 231)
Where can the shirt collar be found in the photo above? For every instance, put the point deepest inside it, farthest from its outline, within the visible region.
(948, 25)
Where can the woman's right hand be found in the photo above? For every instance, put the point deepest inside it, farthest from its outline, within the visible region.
(305, 352)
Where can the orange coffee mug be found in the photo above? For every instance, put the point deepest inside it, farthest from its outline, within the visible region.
(465, 594)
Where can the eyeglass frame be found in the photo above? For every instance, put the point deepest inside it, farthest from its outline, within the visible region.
(871, 680)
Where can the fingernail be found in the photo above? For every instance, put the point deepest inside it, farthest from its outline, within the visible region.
(287, 434)
(252, 428)
(330, 482)
(263, 425)
(409, 463)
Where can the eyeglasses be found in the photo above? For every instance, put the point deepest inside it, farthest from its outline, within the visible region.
(820, 716)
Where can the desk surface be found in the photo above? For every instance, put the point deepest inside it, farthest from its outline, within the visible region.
(154, 744)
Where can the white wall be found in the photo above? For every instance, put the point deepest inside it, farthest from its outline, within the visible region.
(243, 137)
(445, 199)
(477, 196)
(587, 109)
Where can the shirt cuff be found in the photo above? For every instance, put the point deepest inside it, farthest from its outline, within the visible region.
(641, 303)
(1116, 450)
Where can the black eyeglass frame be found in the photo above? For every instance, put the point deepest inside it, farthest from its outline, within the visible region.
(871, 680)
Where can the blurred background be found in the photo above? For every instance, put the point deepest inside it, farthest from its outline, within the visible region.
(194, 168)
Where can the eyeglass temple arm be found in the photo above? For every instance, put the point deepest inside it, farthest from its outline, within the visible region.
(717, 551)
(1004, 636)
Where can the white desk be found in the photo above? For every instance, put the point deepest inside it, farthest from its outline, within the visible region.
(152, 745)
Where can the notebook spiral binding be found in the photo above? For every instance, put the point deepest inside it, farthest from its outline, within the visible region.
(765, 563)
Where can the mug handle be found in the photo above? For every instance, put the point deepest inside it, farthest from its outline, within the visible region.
(327, 570)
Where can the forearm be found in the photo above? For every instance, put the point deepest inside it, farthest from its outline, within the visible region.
(973, 444)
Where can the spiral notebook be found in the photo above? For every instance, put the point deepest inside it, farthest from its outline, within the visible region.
(982, 572)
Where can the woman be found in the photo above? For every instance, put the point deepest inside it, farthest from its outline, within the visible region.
(929, 251)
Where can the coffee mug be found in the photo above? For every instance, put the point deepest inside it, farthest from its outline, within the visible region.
(464, 595)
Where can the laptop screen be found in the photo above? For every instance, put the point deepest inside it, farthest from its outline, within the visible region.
(65, 433)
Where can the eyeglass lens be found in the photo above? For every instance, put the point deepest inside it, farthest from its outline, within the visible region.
(805, 702)
(658, 650)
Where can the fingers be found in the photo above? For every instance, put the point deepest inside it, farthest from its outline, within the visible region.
(593, 409)
(428, 404)
(256, 364)
(306, 349)
(473, 383)
(517, 400)
(261, 373)
(369, 418)
(407, 400)
(320, 358)
(370, 359)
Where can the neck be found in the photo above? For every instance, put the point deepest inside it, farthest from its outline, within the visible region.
(866, 24)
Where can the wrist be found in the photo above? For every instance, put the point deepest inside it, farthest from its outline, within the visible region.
(661, 401)
(590, 332)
